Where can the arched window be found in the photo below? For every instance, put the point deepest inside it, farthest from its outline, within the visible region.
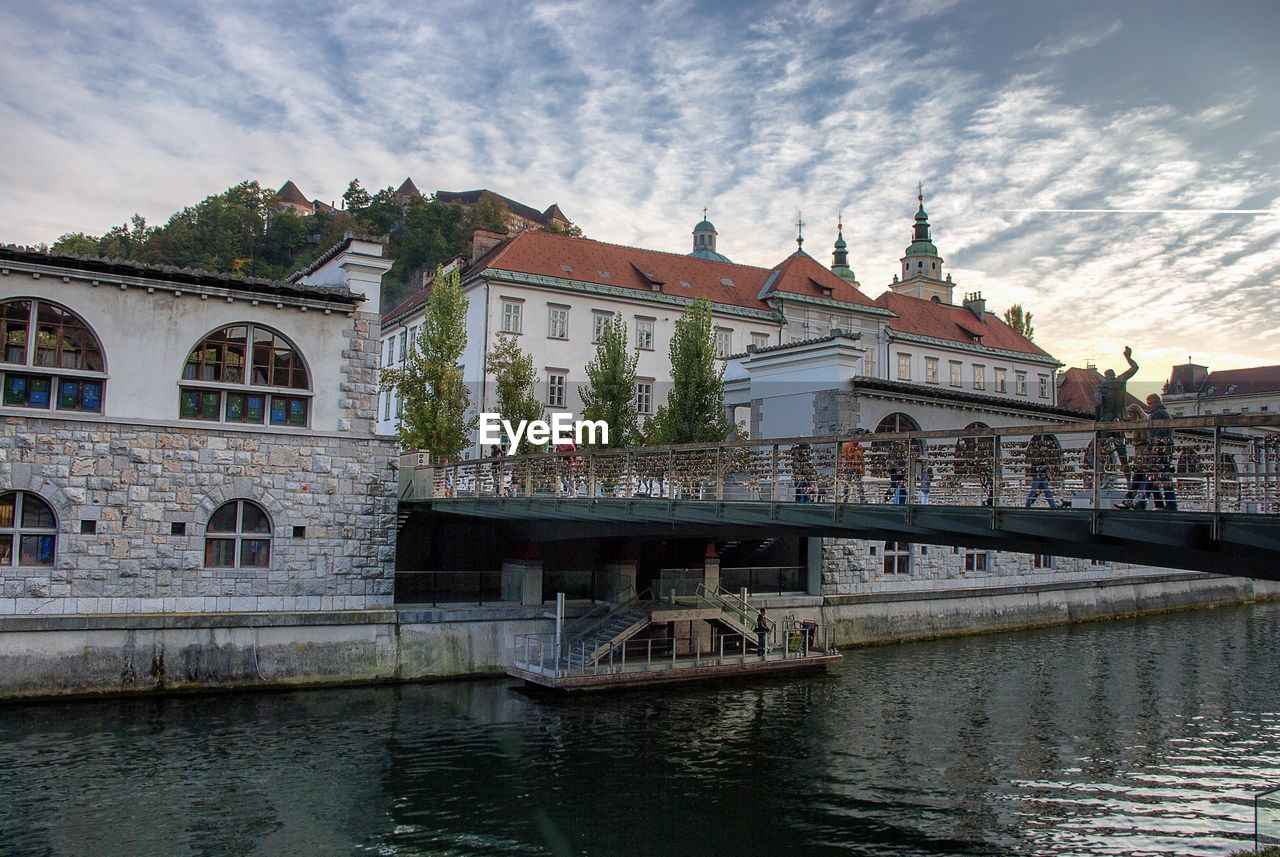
(51, 359)
(897, 422)
(245, 373)
(238, 536)
(28, 530)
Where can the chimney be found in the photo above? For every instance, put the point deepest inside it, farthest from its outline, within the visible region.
(975, 304)
(482, 240)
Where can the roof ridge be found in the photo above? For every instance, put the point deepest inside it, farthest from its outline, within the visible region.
(648, 250)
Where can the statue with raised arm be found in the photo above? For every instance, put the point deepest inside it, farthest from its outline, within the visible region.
(1110, 399)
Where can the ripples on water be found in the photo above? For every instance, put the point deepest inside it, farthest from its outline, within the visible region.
(1137, 737)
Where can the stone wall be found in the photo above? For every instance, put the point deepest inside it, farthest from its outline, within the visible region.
(137, 482)
(856, 566)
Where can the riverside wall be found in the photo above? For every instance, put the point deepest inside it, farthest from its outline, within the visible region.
(77, 656)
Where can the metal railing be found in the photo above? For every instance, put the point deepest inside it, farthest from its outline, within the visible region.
(761, 579)
(1218, 464)
(450, 587)
(536, 652)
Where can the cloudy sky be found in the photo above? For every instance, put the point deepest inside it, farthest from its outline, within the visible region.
(1152, 116)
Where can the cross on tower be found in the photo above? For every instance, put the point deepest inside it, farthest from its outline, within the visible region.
(920, 191)
(799, 231)
(704, 212)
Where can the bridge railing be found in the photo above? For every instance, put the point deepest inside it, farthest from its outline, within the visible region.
(1219, 464)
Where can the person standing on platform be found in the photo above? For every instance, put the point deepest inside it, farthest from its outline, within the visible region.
(762, 633)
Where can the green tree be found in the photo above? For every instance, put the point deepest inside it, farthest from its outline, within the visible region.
(1020, 321)
(570, 229)
(286, 236)
(430, 383)
(125, 241)
(611, 392)
(356, 198)
(76, 244)
(514, 372)
(694, 411)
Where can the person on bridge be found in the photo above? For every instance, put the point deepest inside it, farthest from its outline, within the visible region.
(853, 468)
(1163, 486)
(1140, 466)
(1040, 457)
(926, 483)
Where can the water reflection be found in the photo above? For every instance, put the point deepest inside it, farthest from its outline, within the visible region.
(1136, 737)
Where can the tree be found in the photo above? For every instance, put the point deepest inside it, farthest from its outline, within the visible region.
(435, 398)
(356, 198)
(611, 393)
(694, 411)
(512, 367)
(570, 229)
(76, 244)
(1020, 321)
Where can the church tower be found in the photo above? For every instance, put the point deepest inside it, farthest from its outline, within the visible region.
(921, 265)
(840, 258)
(704, 241)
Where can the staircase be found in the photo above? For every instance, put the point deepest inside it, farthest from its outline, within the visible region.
(595, 642)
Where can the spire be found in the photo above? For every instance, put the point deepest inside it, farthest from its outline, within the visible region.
(921, 229)
(840, 256)
(704, 240)
(922, 274)
(799, 232)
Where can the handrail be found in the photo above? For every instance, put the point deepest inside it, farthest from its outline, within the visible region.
(574, 635)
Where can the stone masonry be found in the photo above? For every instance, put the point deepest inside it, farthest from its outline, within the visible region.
(137, 483)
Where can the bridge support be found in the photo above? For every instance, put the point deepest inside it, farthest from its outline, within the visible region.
(522, 581)
(813, 566)
(711, 567)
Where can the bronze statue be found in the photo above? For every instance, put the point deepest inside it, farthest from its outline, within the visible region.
(1110, 399)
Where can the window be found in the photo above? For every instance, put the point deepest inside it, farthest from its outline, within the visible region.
(897, 557)
(413, 338)
(1000, 382)
(386, 405)
(644, 397)
(399, 407)
(558, 322)
(555, 389)
(599, 322)
(904, 367)
(511, 321)
(760, 340)
(404, 339)
(28, 530)
(391, 352)
(955, 373)
(1097, 562)
(931, 370)
(1043, 560)
(249, 368)
(724, 342)
(979, 377)
(238, 536)
(1044, 386)
(1020, 382)
(975, 560)
(644, 334)
(63, 356)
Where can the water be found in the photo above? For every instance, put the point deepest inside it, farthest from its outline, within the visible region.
(1135, 737)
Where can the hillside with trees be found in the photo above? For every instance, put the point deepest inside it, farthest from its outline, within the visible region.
(239, 231)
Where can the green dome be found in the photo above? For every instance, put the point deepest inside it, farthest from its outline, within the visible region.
(921, 248)
(704, 226)
(709, 254)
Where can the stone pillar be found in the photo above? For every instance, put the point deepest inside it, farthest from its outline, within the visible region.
(522, 581)
(623, 572)
(711, 567)
(813, 566)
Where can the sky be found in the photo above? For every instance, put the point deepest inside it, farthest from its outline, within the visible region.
(1112, 166)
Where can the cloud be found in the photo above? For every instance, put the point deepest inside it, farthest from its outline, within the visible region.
(1057, 46)
(632, 121)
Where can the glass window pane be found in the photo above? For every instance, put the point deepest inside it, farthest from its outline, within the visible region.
(255, 520)
(224, 519)
(220, 553)
(6, 549)
(15, 389)
(36, 513)
(209, 405)
(36, 550)
(254, 408)
(255, 553)
(38, 397)
(279, 410)
(235, 407)
(297, 412)
(91, 396)
(7, 502)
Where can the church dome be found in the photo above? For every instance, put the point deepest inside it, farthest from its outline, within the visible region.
(704, 226)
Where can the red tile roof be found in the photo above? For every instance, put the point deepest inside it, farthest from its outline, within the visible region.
(955, 323)
(1255, 379)
(1077, 387)
(801, 274)
(407, 186)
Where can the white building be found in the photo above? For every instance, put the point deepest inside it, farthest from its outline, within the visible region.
(1194, 391)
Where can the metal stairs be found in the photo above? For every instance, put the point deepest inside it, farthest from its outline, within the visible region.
(619, 626)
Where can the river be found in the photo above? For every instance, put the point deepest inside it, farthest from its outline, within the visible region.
(1143, 736)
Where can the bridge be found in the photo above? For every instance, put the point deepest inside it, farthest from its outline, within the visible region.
(1196, 493)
